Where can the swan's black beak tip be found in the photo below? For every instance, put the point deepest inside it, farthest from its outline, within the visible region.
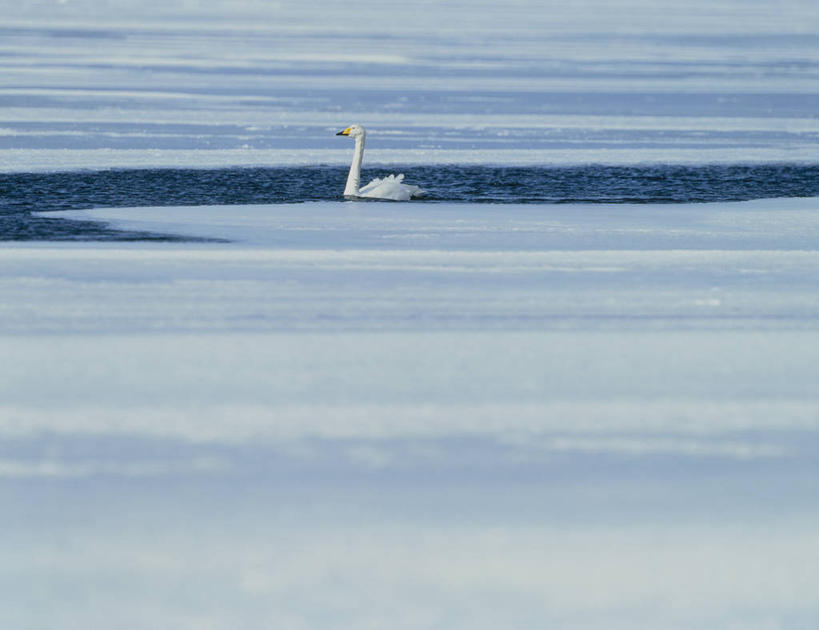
(341, 133)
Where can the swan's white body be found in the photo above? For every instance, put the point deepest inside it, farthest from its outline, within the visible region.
(391, 187)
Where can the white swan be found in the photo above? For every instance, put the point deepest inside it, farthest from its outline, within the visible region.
(391, 187)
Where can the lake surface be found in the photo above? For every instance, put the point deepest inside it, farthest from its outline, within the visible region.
(25, 194)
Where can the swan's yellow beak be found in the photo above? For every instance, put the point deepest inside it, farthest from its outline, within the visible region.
(346, 132)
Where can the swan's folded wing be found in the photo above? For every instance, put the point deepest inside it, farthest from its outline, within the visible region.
(391, 187)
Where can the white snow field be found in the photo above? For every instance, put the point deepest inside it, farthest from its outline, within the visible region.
(209, 83)
(415, 415)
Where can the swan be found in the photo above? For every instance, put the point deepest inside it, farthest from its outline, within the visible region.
(391, 187)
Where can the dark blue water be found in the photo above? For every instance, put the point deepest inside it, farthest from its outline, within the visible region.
(23, 195)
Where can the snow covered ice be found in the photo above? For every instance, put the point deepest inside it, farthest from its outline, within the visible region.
(353, 409)
(412, 415)
(87, 84)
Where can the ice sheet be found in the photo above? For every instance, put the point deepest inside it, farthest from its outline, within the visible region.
(197, 84)
(471, 412)
(412, 415)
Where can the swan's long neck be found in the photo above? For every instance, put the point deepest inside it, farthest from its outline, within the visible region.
(354, 178)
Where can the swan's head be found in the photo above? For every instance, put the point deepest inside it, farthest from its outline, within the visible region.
(354, 131)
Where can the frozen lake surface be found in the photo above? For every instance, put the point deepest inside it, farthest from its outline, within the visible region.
(189, 83)
(562, 392)
(358, 409)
